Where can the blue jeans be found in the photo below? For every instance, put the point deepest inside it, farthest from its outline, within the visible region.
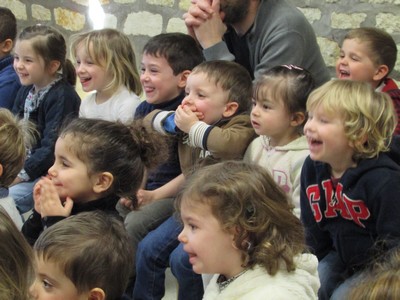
(159, 249)
(22, 193)
(335, 282)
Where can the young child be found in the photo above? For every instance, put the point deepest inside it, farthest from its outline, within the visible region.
(15, 137)
(46, 98)
(369, 54)
(168, 59)
(106, 64)
(213, 124)
(238, 224)
(87, 256)
(382, 281)
(349, 184)
(16, 261)
(278, 115)
(9, 82)
(95, 164)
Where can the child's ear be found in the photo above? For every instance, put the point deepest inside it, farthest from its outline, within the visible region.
(54, 66)
(381, 72)
(230, 109)
(103, 182)
(1, 170)
(96, 294)
(297, 119)
(183, 76)
(6, 46)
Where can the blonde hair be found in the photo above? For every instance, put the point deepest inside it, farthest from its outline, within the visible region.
(16, 135)
(113, 51)
(245, 197)
(381, 282)
(368, 116)
(16, 261)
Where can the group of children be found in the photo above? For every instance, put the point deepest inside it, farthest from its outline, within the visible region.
(180, 180)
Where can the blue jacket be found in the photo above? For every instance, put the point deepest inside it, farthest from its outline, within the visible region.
(360, 217)
(60, 102)
(9, 82)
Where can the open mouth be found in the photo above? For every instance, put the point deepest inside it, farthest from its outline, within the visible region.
(344, 74)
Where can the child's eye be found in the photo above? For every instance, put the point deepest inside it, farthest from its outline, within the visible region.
(355, 58)
(47, 284)
(65, 164)
(192, 227)
(266, 106)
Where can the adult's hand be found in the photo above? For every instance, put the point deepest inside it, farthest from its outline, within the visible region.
(204, 22)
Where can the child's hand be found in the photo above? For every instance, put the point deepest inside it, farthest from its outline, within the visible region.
(47, 201)
(185, 118)
(125, 202)
(145, 197)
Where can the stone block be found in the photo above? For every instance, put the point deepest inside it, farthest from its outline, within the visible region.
(41, 13)
(68, 19)
(143, 23)
(347, 21)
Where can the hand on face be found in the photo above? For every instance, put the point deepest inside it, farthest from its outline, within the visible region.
(204, 22)
(47, 201)
(186, 117)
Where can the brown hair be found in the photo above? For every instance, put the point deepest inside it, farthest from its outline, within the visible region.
(381, 45)
(92, 249)
(50, 44)
(125, 151)
(245, 197)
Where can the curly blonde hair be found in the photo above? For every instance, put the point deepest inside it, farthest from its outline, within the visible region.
(245, 197)
(368, 116)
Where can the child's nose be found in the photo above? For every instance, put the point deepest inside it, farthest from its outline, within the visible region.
(182, 237)
(52, 171)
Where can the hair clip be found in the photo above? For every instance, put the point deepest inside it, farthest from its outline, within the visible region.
(290, 67)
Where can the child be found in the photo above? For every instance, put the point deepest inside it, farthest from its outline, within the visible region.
(95, 164)
(16, 261)
(213, 125)
(15, 137)
(238, 224)
(382, 281)
(167, 60)
(106, 64)
(9, 82)
(87, 256)
(349, 185)
(369, 54)
(46, 98)
(278, 116)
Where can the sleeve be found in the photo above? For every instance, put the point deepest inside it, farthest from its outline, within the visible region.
(55, 108)
(228, 142)
(158, 118)
(317, 240)
(9, 86)
(279, 49)
(218, 51)
(34, 226)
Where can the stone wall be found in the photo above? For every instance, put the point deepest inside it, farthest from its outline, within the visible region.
(141, 19)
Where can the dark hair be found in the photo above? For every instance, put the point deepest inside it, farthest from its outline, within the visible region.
(288, 83)
(231, 77)
(125, 151)
(381, 45)
(8, 24)
(50, 44)
(180, 50)
(244, 196)
(92, 249)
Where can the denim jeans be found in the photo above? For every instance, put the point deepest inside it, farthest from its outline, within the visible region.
(22, 193)
(159, 249)
(335, 283)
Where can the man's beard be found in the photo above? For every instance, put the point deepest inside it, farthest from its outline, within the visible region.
(236, 12)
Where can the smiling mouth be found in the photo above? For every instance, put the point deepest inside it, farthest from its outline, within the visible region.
(344, 73)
